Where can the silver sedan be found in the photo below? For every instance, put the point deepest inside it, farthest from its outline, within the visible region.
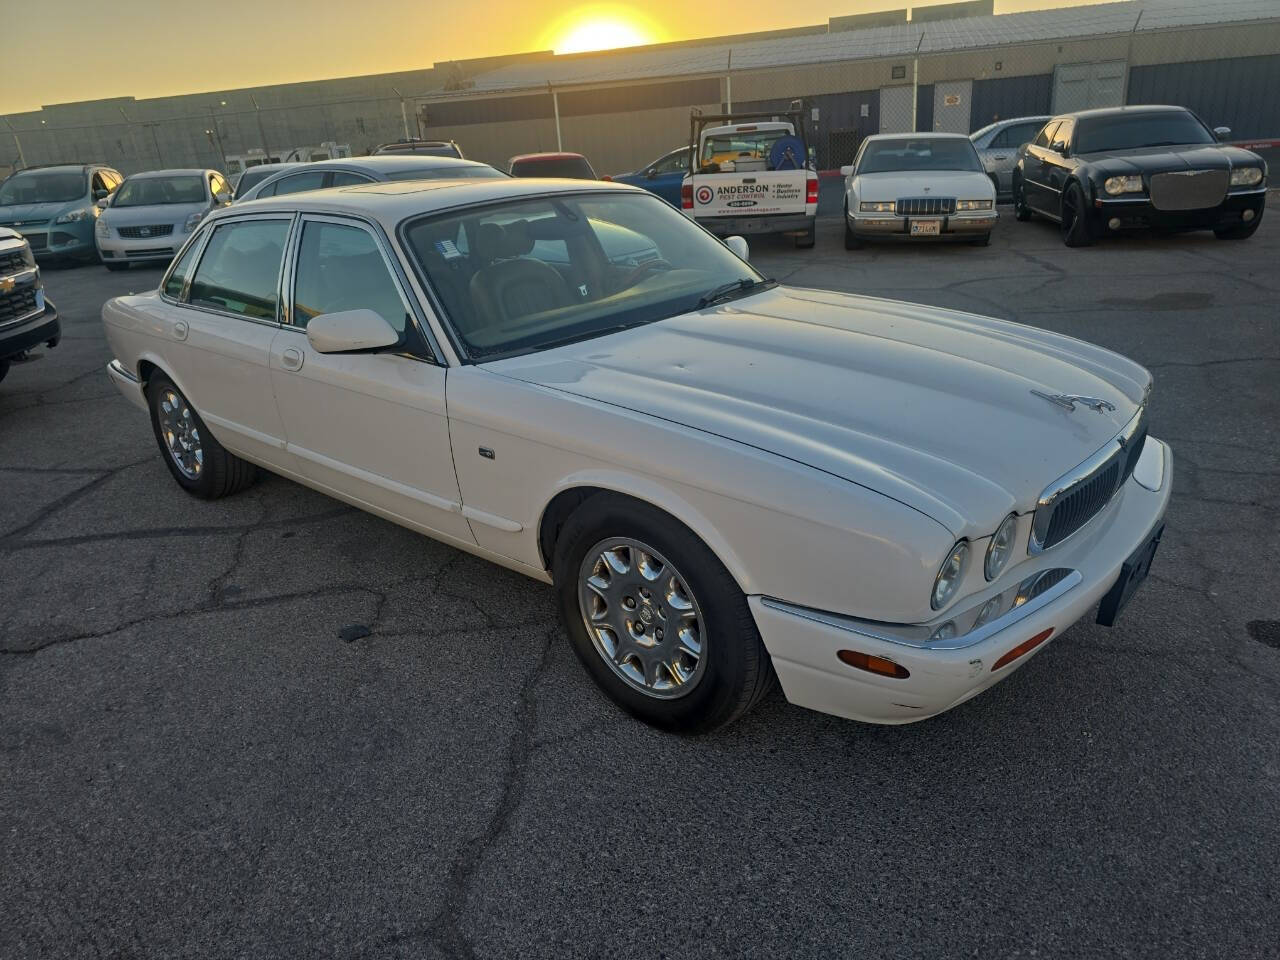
(997, 145)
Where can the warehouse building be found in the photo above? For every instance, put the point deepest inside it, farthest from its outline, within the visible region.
(952, 67)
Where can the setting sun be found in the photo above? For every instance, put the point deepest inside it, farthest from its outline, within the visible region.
(600, 28)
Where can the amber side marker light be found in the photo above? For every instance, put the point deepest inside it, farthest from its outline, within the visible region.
(865, 661)
(1025, 647)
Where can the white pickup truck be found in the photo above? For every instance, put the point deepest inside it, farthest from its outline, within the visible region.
(751, 175)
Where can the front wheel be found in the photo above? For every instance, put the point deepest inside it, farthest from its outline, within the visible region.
(984, 240)
(656, 619)
(1075, 217)
(851, 239)
(1021, 211)
(200, 464)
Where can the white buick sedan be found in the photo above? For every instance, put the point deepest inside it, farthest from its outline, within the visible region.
(918, 186)
(890, 507)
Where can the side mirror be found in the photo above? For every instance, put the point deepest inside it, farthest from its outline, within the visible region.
(846, 170)
(223, 197)
(739, 246)
(99, 194)
(1222, 133)
(650, 173)
(350, 331)
(102, 203)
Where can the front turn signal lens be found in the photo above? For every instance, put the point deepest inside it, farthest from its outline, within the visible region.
(873, 664)
(1022, 649)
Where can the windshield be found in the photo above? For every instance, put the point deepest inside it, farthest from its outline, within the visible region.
(525, 275)
(479, 171)
(150, 191)
(1135, 131)
(44, 186)
(933, 153)
(570, 168)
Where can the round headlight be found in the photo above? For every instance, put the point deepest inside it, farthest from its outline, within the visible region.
(1000, 549)
(949, 577)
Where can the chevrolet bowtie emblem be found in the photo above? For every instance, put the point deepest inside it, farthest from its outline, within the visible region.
(1069, 400)
(7, 284)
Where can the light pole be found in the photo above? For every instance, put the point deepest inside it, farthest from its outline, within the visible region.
(216, 134)
(16, 142)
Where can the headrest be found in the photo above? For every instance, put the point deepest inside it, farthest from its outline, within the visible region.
(488, 242)
(517, 239)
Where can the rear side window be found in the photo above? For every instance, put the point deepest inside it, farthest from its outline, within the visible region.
(311, 180)
(178, 276)
(240, 269)
(343, 179)
(341, 268)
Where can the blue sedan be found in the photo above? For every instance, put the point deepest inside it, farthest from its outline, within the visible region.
(662, 177)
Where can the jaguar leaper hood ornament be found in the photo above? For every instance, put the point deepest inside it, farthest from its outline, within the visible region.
(1069, 400)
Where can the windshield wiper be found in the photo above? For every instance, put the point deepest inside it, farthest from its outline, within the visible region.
(735, 288)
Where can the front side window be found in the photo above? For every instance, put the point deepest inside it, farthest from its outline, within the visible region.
(1045, 136)
(1169, 128)
(311, 180)
(178, 275)
(925, 153)
(43, 186)
(341, 268)
(672, 163)
(524, 275)
(240, 269)
(155, 191)
(1062, 137)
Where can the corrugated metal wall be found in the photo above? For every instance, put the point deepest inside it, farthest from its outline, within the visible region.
(1242, 93)
(1003, 97)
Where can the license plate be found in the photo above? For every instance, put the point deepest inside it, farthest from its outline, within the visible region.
(926, 228)
(1132, 574)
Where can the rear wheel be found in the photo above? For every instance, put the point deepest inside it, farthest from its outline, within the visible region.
(656, 619)
(1075, 217)
(1020, 209)
(4, 369)
(200, 464)
(806, 240)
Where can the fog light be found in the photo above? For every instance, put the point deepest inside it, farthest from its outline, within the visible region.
(1247, 216)
(988, 612)
(1114, 223)
(945, 632)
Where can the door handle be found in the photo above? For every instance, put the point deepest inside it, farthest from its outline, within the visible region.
(291, 359)
(180, 330)
(1001, 156)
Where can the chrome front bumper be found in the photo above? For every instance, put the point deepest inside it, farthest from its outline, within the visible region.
(890, 225)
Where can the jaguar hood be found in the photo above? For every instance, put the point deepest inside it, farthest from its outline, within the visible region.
(930, 407)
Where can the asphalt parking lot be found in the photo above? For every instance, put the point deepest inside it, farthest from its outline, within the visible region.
(274, 726)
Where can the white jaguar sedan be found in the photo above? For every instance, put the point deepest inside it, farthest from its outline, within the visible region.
(918, 186)
(891, 507)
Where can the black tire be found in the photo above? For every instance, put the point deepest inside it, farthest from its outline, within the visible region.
(220, 473)
(115, 267)
(1021, 211)
(4, 369)
(807, 241)
(1243, 232)
(738, 672)
(1075, 217)
(982, 241)
(851, 240)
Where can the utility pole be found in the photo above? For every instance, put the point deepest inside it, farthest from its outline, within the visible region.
(155, 141)
(215, 133)
(1128, 61)
(17, 143)
(555, 105)
(915, 84)
(728, 83)
(404, 115)
(257, 110)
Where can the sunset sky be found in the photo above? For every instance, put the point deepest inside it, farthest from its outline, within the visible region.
(67, 50)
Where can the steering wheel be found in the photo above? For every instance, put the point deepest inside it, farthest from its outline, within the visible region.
(648, 266)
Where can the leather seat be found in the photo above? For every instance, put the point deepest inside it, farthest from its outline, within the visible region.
(510, 285)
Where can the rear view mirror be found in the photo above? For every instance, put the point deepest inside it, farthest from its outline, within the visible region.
(739, 246)
(1222, 133)
(350, 331)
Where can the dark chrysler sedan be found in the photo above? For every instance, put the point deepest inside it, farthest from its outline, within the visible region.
(1105, 171)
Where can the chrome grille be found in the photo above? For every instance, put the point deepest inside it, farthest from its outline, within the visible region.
(926, 206)
(12, 261)
(139, 233)
(1075, 499)
(16, 305)
(1188, 189)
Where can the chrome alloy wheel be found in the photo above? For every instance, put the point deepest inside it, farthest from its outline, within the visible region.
(642, 617)
(181, 435)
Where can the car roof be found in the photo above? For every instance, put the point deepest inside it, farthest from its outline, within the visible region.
(921, 135)
(175, 172)
(392, 201)
(547, 156)
(1121, 111)
(390, 164)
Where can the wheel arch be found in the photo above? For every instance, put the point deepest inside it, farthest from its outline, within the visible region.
(575, 491)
